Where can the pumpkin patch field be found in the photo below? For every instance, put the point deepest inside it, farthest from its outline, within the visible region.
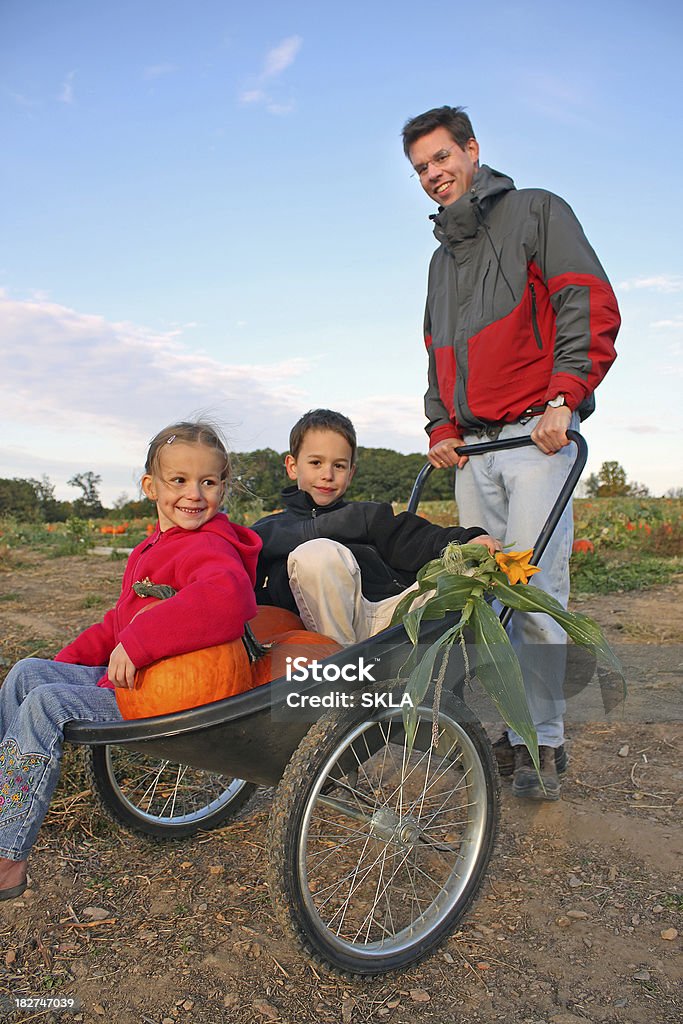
(620, 543)
(579, 918)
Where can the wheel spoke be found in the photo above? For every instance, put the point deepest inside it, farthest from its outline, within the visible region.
(353, 877)
(382, 892)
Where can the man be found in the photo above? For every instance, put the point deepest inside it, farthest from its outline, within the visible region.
(519, 327)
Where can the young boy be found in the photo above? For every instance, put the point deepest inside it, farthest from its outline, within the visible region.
(343, 566)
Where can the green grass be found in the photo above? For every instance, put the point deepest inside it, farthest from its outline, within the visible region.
(74, 537)
(595, 574)
(95, 601)
(118, 556)
(671, 900)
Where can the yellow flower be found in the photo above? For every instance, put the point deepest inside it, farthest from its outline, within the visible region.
(515, 565)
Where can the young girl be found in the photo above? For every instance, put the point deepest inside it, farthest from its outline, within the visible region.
(210, 562)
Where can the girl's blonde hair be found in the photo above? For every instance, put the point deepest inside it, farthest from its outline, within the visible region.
(200, 432)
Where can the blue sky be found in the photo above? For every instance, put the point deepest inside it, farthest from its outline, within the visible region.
(207, 210)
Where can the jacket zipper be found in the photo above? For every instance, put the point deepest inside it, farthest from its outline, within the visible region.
(534, 318)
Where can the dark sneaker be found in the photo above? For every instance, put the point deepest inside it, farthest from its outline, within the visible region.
(526, 782)
(504, 753)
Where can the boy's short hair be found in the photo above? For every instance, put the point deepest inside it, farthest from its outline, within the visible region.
(323, 419)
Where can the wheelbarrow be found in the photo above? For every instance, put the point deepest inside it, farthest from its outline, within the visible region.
(375, 850)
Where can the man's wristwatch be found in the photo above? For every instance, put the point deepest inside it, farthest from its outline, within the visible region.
(557, 402)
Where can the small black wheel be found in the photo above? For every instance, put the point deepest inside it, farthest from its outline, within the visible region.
(376, 853)
(161, 798)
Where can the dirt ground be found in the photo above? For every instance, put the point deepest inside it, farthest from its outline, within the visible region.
(578, 919)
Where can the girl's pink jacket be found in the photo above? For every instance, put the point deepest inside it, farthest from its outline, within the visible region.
(214, 571)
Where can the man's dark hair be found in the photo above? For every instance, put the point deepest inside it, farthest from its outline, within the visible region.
(322, 419)
(453, 119)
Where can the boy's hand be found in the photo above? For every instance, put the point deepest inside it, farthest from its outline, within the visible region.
(121, 670)
(489, 542)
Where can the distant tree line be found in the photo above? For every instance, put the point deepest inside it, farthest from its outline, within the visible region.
(259, 478)
(34, 500)
(381, 475)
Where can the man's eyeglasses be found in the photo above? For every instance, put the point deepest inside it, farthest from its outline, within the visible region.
(438, 159)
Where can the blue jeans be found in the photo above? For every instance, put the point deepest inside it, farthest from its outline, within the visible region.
(510, 494)
(37, 698)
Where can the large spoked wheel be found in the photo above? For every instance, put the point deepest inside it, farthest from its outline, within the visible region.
(161, 798)
(376, 853)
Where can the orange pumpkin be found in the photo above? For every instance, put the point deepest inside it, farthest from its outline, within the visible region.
(297, 643)
(271, 622)
(187, 681)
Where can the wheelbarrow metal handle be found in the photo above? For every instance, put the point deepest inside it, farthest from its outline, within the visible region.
(561, 501)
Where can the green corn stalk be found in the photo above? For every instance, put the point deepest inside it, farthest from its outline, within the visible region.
(460, 581)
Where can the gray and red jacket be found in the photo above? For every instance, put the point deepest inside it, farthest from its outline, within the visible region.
(519, 309)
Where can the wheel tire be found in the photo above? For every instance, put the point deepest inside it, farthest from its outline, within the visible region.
(365, 869)
(160, 798)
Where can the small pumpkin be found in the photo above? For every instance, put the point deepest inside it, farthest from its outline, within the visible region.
(270, 622)
(297, 643)
(187, 681)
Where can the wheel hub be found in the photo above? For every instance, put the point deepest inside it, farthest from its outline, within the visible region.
(386, 824)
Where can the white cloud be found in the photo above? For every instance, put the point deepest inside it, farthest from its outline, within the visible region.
(675, 322)
(66, 93)
(21, 100)
(159, 70)
(75, 383)
(645, 428)
(276, 61)
(668, 283)
(280, 108)
(78, 392)
(281, 56)
(388, 421)
(252, 96)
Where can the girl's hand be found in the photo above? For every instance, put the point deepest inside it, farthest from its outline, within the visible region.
(489, 542)
(121, 670)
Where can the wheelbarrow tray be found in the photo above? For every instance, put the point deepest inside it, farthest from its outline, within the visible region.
(253, 734)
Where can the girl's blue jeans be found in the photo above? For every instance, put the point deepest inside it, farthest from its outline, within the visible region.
(36, 700)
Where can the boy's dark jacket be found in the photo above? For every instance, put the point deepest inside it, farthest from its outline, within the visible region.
(389, 548)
